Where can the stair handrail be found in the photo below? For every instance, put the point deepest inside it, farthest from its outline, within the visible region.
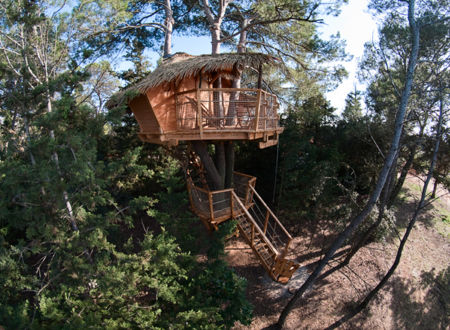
(249, 216)
(272, 214)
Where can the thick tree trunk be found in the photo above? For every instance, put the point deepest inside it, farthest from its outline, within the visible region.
(220, 161)
(168, 23)
(231, 116)
(215, 36)
(381, 179)
(391, 270)
(212, 175)
(218, 171)
(229, 166)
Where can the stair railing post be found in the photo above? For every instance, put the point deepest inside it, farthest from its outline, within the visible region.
(231, 205)
(265, 111)
(199, 114)
(266, 222)
(247, 195)
(211, 208)
(258, 104)
(286, 248)
(253, 234)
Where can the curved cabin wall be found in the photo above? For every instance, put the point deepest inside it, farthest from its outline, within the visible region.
(144, 115)
(156, 111)
(162, 100)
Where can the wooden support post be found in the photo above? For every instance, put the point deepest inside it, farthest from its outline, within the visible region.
(231, 205)
(253, 235)
(283, 255)
(266, 222)
(260, 76)
(189, 188)
(258, 104)
(199, 114)
(211, 208)
(177, 111)
(247, 194)
(265, 114)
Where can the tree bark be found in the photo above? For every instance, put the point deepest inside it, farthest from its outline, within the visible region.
(391, 270)
(220, 161)
(229, 166)
(168, 23)
(220, 171)
(382, 177)
(365, 236)
(433, 194)
(405, 169)
(212, 175)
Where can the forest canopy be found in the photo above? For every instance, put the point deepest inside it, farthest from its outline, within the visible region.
(95, 227)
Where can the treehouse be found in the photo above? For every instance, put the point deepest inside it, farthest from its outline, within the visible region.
(191, 98)
(198, 99)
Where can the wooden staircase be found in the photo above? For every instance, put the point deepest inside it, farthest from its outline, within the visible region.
(266, 236)
(256, 222)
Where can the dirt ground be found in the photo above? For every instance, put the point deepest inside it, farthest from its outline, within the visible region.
(412, 299)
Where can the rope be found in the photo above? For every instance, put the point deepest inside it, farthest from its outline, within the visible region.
(276, 173)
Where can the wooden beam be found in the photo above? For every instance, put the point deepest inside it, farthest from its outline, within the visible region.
(199, 114)
(258, 105)
(260, 76)
(268, 143)
(211, 208)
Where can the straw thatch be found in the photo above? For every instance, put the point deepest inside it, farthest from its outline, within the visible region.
(182, 65)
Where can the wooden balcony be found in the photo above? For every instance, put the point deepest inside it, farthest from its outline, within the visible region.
(223, 114)
(214, 207)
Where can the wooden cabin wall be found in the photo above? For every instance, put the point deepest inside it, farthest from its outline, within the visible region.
(163, 104)
(162, 99)
(143, 112)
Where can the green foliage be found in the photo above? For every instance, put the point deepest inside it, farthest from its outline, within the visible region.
(326, 166)
(81, 198)
(353, 107)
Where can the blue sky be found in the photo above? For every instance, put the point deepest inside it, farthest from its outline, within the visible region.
(356, 27)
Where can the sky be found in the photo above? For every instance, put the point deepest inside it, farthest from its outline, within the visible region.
(355, 26)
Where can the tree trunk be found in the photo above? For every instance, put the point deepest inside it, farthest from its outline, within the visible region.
(231, 116)
(365, 236)
(215, 36)
(391, 270)
(212, 175)
(433, 194)
(229, 159)
(220, 171)
(401, 180)
(382, 177)
(220, 161)
(55, 158)
(168, 23)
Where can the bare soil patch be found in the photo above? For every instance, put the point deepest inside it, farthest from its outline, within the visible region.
(412, 299)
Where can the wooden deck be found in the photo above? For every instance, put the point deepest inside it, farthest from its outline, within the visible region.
(215, 207)
(222, 114)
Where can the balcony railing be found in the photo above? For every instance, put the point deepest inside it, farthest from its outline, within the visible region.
(217, 206)
(221, 109)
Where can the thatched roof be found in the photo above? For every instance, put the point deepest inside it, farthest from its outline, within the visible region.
(182, 65)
